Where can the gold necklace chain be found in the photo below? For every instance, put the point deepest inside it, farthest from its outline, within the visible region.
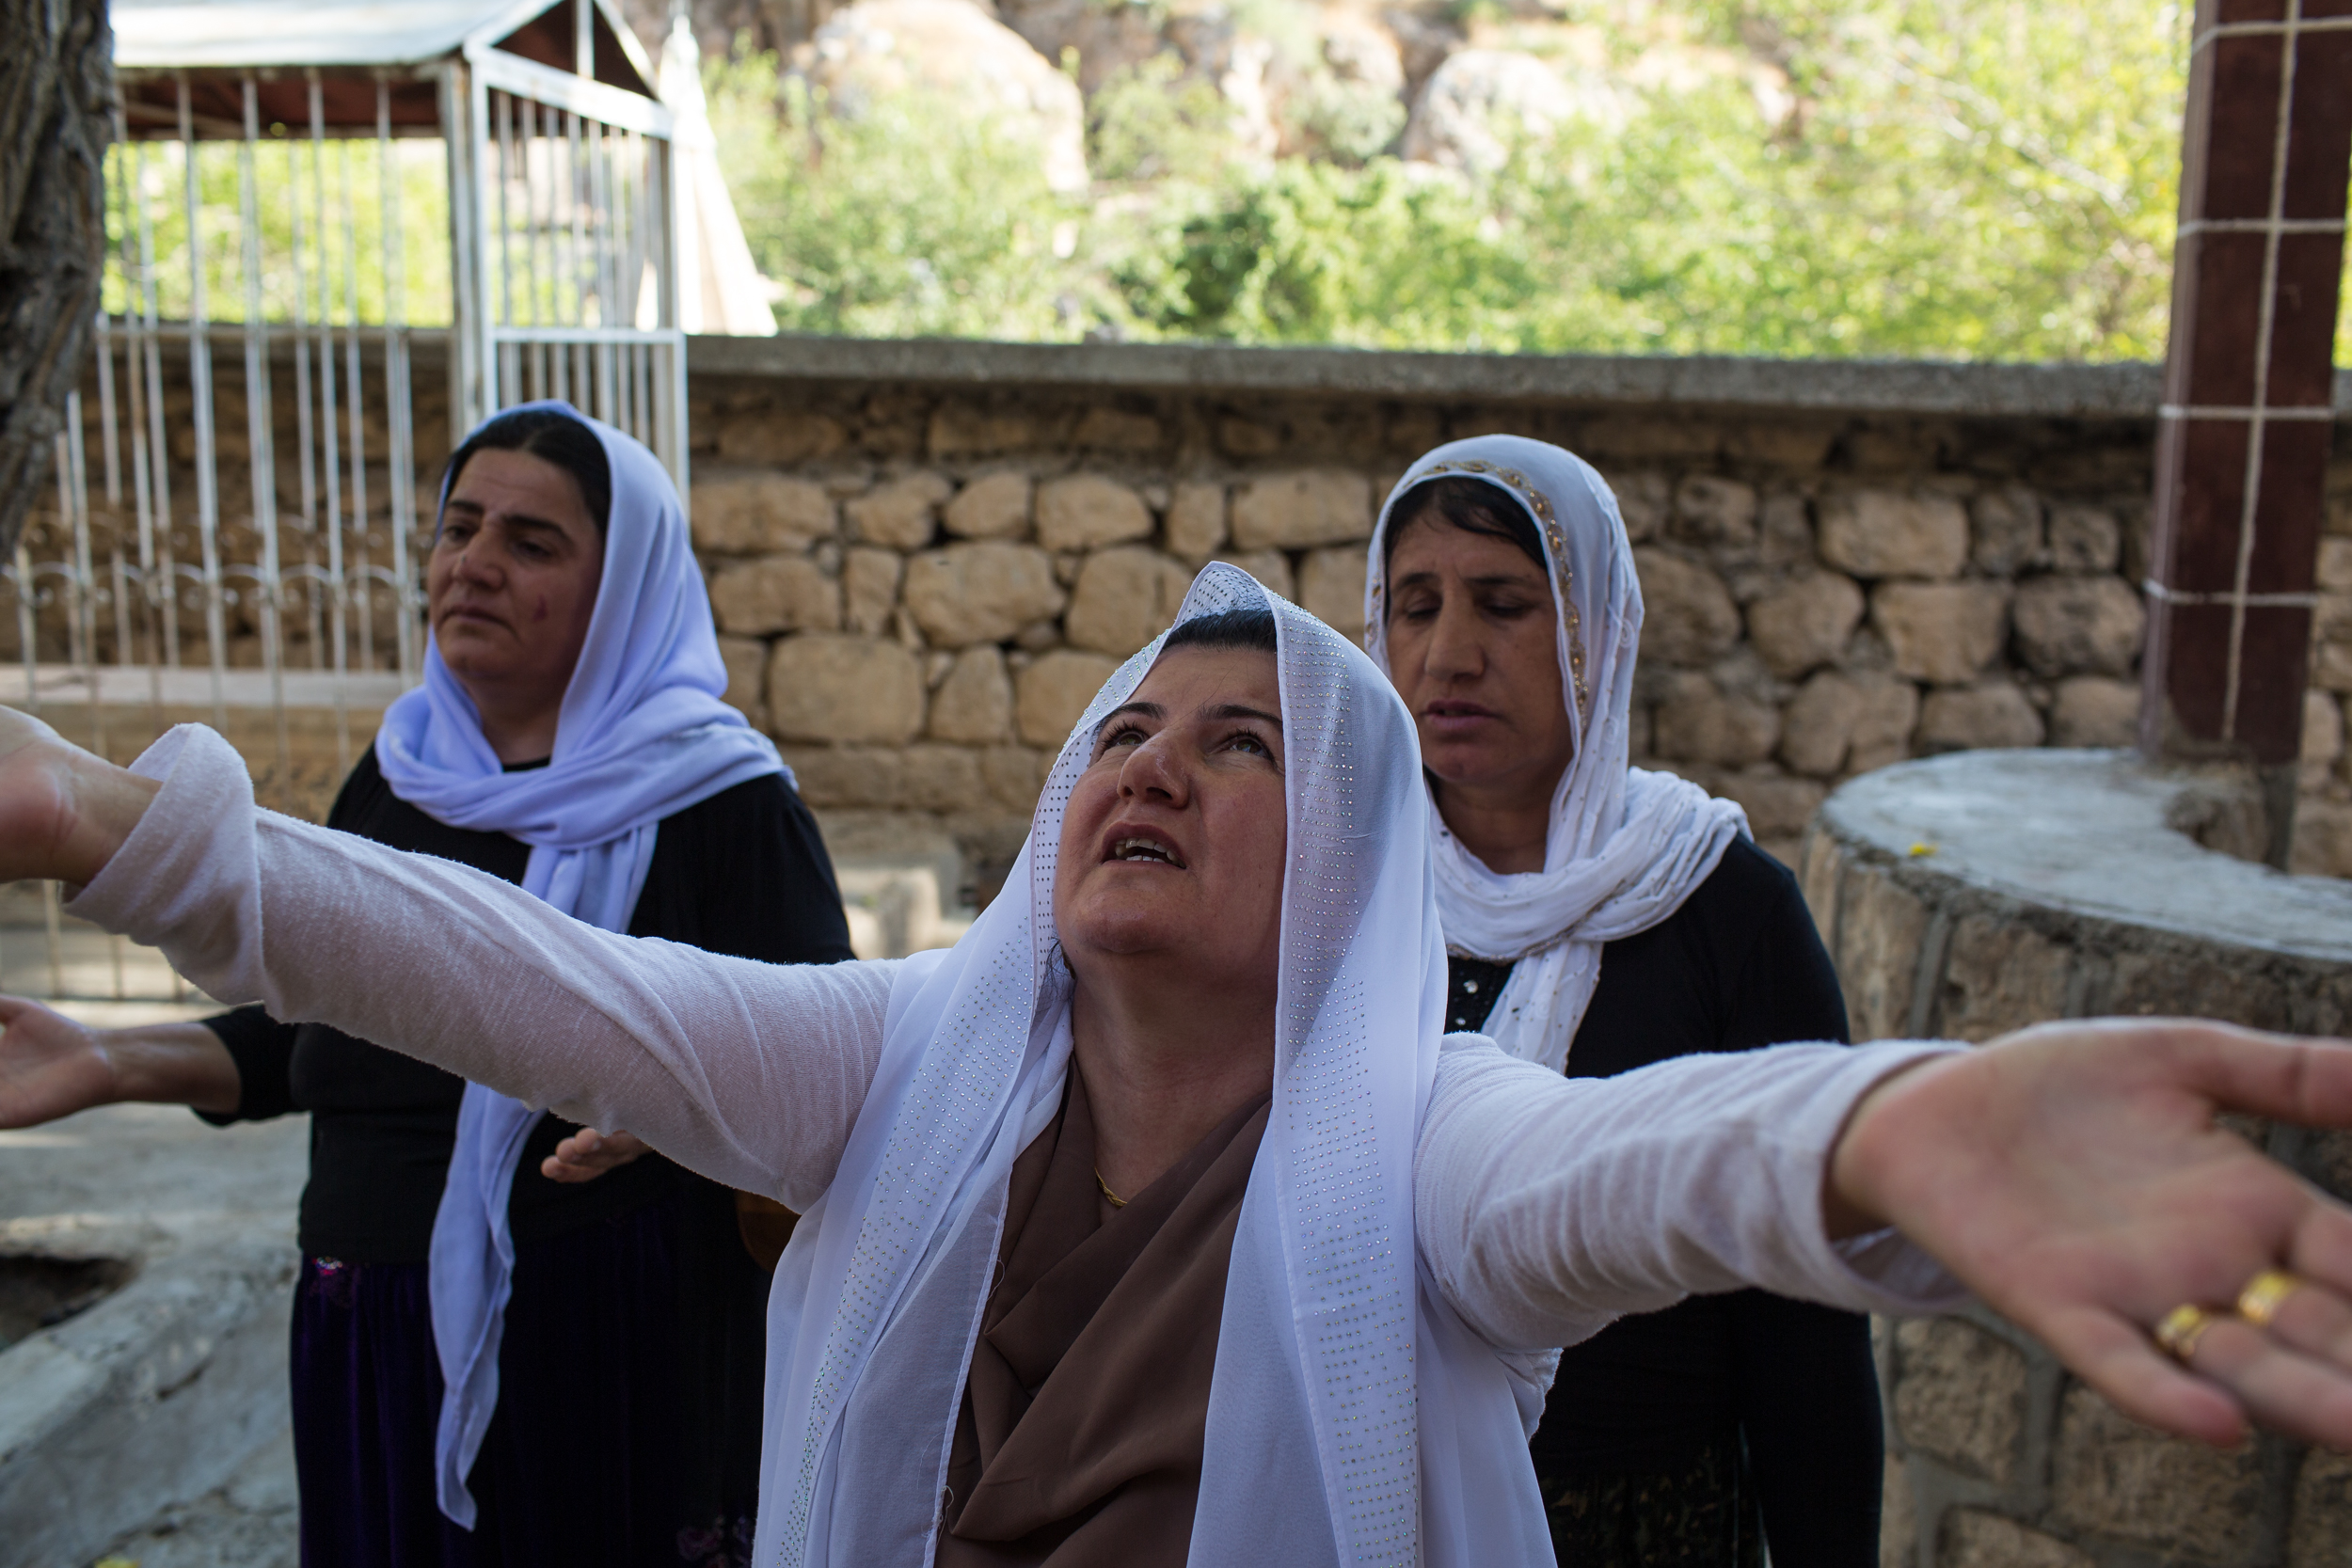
(1116, 1202)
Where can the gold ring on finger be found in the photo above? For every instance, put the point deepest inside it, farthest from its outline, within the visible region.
(2179, 1330)
(2259, 1303)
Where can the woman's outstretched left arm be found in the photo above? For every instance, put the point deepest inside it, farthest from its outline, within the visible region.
(2074, 1176)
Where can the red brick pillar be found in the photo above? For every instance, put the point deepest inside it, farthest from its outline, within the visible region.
(2248, 417)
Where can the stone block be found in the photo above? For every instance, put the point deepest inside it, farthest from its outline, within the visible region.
(2084, 539)
(2320, 1528)
(1804, 624)
(848, 778)
(1879, 930)
(1331, 587)
(746, 661)
(758, 513)
(1999, 975)
(869, 588)
(1898, 1527)
(899, 516)
(1085, 511)
(1887, 534)
(1941, 631)
(2125, 1481)
(1247, 438)
(1628, 435)
(1015, 776)
(840, 687)
(2095, 710)
(1688, 614)
(1699, 722)
(1301, 510)
(1110, 430)
(2165, 982)
(1884, 730)
(1778, 806)
(2335, 565)
(1196, 522)
(2078, 626)
(2323, 733)
(1995, 714)
(942, 779)
(1817, 726)
(1781, 446)
(1123, 598)
(1643, 501)
(993, 506)
(985, 592)
(974, 703)
(1817, 873)
(1271, 567)
(2323, 839)
(1052, 694)
(1971, 1538)
(2004, 531)
(968, 430)
(1719, 513)
(1959, 1396)
(783, 436)
(785, 593)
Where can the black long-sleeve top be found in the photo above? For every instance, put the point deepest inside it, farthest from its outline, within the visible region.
(1738, 966)
(743, 873)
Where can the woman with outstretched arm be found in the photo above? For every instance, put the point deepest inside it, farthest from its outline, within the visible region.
(1158, 1221)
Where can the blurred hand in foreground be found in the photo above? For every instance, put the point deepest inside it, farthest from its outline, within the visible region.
(2075, 1178)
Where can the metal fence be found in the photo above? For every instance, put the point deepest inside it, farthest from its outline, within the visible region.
(317, 275)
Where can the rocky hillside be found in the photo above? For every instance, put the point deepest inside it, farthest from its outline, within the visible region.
(1439, 83)
(1806, 177)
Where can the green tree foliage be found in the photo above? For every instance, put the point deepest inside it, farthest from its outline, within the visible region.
(905, 219)
(1995, 180)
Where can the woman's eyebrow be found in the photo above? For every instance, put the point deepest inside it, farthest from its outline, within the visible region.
(1236, 710)
(1146, 711)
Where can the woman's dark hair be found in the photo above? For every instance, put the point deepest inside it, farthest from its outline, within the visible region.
(1227, 628)
(561, 439)
(1471, 505)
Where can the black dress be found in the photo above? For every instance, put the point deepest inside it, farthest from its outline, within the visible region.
(630, 1371)
(1686, 1438)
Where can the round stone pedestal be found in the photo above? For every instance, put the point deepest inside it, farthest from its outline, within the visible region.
(1969, 894)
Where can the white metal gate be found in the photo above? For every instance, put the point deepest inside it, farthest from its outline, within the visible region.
(339, 239)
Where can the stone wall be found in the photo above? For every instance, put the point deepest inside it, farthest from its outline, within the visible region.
(1967, 895)
(924, 555)
(923, 558)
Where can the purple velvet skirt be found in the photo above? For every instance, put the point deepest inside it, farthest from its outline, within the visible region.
(627, 1424)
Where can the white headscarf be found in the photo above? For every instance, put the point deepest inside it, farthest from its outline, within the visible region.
(1352, 1418)
(1626, 846)
(643, 734)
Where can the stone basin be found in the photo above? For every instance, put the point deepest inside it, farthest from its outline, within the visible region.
(1966, 895)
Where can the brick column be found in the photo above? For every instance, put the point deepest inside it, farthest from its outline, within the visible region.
(2248, 416)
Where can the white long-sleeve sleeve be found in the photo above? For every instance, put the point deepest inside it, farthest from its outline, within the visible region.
(750, 1073)
(1546, 1207)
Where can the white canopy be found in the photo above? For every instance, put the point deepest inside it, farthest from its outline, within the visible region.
(225, 34)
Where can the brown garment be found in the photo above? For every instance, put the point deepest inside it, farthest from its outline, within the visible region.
(1080, 1437)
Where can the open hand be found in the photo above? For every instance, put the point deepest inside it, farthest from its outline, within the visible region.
(2074, 1176)
(588, 1154)
(50, 1066)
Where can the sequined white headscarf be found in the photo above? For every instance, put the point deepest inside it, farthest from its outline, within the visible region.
(1352, 1418)
(1626, 846)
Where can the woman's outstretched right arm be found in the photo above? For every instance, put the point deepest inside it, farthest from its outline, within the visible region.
(751, 1073)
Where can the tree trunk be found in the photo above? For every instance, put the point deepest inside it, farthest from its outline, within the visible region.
(57, 105)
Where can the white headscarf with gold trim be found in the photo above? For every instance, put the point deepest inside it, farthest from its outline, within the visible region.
(1626, 846)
